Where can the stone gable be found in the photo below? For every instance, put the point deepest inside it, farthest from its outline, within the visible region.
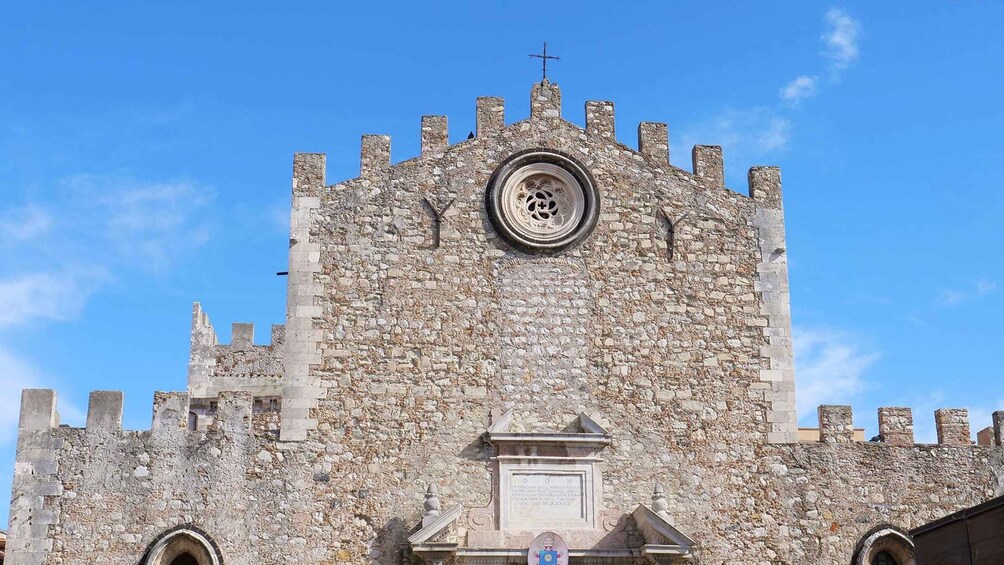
(562, 334)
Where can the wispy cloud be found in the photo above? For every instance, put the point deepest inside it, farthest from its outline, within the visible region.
(56, 296)
(840, 39)
(15, 375)
(979, 289)
(751, 134)
(840, 49)
(23, 223)
(801, 87)
(148, 223)
(746, 135)
(830, 368)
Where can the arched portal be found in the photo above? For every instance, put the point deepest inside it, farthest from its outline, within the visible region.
(885, 545)
(183, 546)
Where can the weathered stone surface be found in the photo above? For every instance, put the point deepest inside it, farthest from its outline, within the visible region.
(896, 425)
(396, 356)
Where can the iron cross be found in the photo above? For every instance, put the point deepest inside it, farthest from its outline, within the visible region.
(544, 58)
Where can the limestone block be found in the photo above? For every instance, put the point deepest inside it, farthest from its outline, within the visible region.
(435, 135)
(600, 119)
(835, 424)
(545, 100)
(38, 409)
(490, 115)
(953, 426)
(653, 141)
(896, 425)
(104, 410)
(709, 164)
(242, 334)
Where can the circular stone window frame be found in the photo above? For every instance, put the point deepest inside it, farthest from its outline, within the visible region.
(502, 206)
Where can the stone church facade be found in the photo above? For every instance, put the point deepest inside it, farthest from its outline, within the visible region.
(536, 331)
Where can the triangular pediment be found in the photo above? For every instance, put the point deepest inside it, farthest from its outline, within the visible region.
(441, 533)
(662, 540)
(585, 432)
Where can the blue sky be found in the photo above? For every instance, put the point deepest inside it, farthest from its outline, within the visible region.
(147, 148)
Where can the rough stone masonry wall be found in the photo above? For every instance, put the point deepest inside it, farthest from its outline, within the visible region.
(400, 345)
(103, 494)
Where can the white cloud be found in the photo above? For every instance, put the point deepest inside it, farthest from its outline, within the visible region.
(149, 224)
(51, 296)
(830, 368)
(23, 223)
(840, 39)
(798, 89)
(979, 289)
(17, 374)
(840, 48)
(745, 135)
(985, 287)
(775, 136)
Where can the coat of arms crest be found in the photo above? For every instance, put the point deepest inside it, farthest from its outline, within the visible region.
(548, 549)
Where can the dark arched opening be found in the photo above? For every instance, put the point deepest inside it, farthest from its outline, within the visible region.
(885, 545)
(185, 559)
(183, 545)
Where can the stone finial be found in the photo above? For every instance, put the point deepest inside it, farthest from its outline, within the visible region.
(998, 426)
(545, 100)
(659, 503)
(490, 115)
(242, 334)
(765, 186)
(374, 155)
(432, 506)
(653, 141)
(836, 424)
(308, 173)
(38, 409)
(985, 437)
(895, 425)
(104, 410)
(709, 164)
(953, 426)
(600, 119)
(435, 135)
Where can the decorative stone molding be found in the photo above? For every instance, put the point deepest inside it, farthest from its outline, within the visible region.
(663, 542)
(432, 506)
(542, 201)
(180, 541)
(549, 480)
(888, 539)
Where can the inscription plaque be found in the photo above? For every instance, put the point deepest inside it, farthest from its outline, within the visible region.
(536, 497)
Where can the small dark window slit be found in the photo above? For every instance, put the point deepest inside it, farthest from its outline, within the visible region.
(671, 228)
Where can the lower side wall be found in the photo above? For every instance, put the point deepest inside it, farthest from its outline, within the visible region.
(81, 494)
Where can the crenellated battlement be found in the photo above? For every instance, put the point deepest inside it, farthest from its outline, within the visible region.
(895, 427)
(233, 411)
(241, 333)
(545, 105)
(534, 272)
(239, 365)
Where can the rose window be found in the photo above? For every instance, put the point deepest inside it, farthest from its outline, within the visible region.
(542, 201)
